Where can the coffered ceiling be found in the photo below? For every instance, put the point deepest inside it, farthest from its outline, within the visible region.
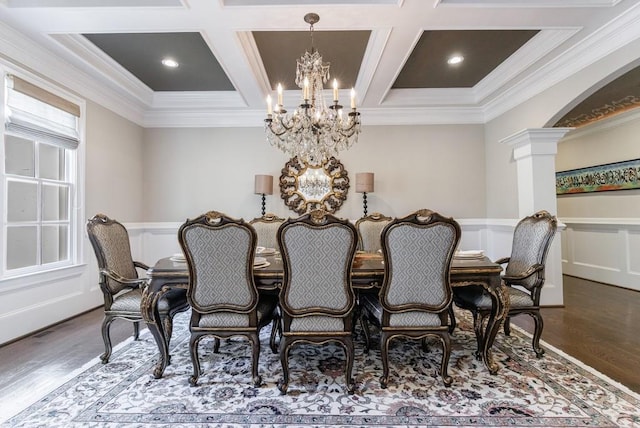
(232, 53)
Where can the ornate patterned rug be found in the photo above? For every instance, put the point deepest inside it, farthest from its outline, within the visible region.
(554, 391)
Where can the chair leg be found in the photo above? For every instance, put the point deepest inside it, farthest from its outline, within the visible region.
(193, 351)
(539, 324)
(283, 384)
(255, 348)
(384, 354)
(364, 325)
(425, 345)
(276, 329)
(349, 351)
(106, 323)
(444, 365)
(216, 345)
(452, 319)
(136, 330)
(507, 326)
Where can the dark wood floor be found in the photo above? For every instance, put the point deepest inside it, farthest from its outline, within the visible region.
(598, 325)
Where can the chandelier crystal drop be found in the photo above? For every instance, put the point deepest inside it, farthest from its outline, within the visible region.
(314, 132)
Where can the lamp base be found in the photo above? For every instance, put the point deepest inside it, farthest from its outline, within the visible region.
(364, 202)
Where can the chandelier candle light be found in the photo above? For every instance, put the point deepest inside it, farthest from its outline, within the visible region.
(314, 132)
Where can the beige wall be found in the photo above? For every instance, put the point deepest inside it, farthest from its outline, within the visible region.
(190, 171)
(114, 165)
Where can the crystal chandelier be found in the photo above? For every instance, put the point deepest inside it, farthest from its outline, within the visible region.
(314, 132)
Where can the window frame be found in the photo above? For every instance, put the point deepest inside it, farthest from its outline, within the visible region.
(74, 179)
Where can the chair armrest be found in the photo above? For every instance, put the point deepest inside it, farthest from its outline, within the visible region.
(533, 269)
(502, 260)
(140, 265)
(129, 282)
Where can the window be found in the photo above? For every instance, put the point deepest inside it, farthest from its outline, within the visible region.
(40, 141)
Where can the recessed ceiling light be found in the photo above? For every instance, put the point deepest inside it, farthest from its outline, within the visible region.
(455, 59)
(171, 63)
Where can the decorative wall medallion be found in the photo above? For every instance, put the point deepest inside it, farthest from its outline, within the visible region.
(305, 188)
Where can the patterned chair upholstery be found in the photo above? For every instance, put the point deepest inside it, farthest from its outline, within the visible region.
(267, 229)
(121, 287)
(369, 230)
(415, 296)
(223, 296)
(316, 296)
(532, 238)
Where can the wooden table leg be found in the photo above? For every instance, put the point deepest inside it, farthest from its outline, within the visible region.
(151, 315)
(499, 310)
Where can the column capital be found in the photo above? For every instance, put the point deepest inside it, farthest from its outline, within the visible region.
(535, 141)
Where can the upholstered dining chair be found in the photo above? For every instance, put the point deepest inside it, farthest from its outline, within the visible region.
(121, 286)
(222, 293)
(416, 294)
(267, 229)
(316, 295)
(369, 229)
(523, 278)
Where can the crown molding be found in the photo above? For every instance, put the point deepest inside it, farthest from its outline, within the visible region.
(22, 51)
(526, 3)
(114, 74)
(611, 37)
(534, 50)
(603, 124)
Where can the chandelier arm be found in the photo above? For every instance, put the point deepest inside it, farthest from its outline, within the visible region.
(316, 131)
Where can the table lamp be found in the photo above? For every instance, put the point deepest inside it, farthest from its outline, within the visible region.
(364, 185)
(263, 186)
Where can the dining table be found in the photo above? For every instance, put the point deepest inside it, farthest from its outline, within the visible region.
(170, 276)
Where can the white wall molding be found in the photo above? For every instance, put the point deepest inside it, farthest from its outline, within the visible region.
(603, 250)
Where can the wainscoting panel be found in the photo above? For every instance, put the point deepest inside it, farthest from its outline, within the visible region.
(603, 250)
(633, 255)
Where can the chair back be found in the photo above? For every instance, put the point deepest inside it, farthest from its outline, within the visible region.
(317, 256)
(369, 231)
(267, 229)
(110, 242)
(220, 251)
(532, 238)
(418, 250)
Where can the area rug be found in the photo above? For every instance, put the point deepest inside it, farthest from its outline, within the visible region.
(554, 391)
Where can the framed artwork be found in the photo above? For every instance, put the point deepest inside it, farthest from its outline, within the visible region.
(600, 178)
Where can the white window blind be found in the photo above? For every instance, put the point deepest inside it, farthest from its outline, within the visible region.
(36, 113)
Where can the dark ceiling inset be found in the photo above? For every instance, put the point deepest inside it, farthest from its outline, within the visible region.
(483, 51)
(620, 95)
(141, 54)
(280, 51)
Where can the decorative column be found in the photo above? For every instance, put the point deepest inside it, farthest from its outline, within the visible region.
(534, 151)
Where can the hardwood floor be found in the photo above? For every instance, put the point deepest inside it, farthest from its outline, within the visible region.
(598, 325)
